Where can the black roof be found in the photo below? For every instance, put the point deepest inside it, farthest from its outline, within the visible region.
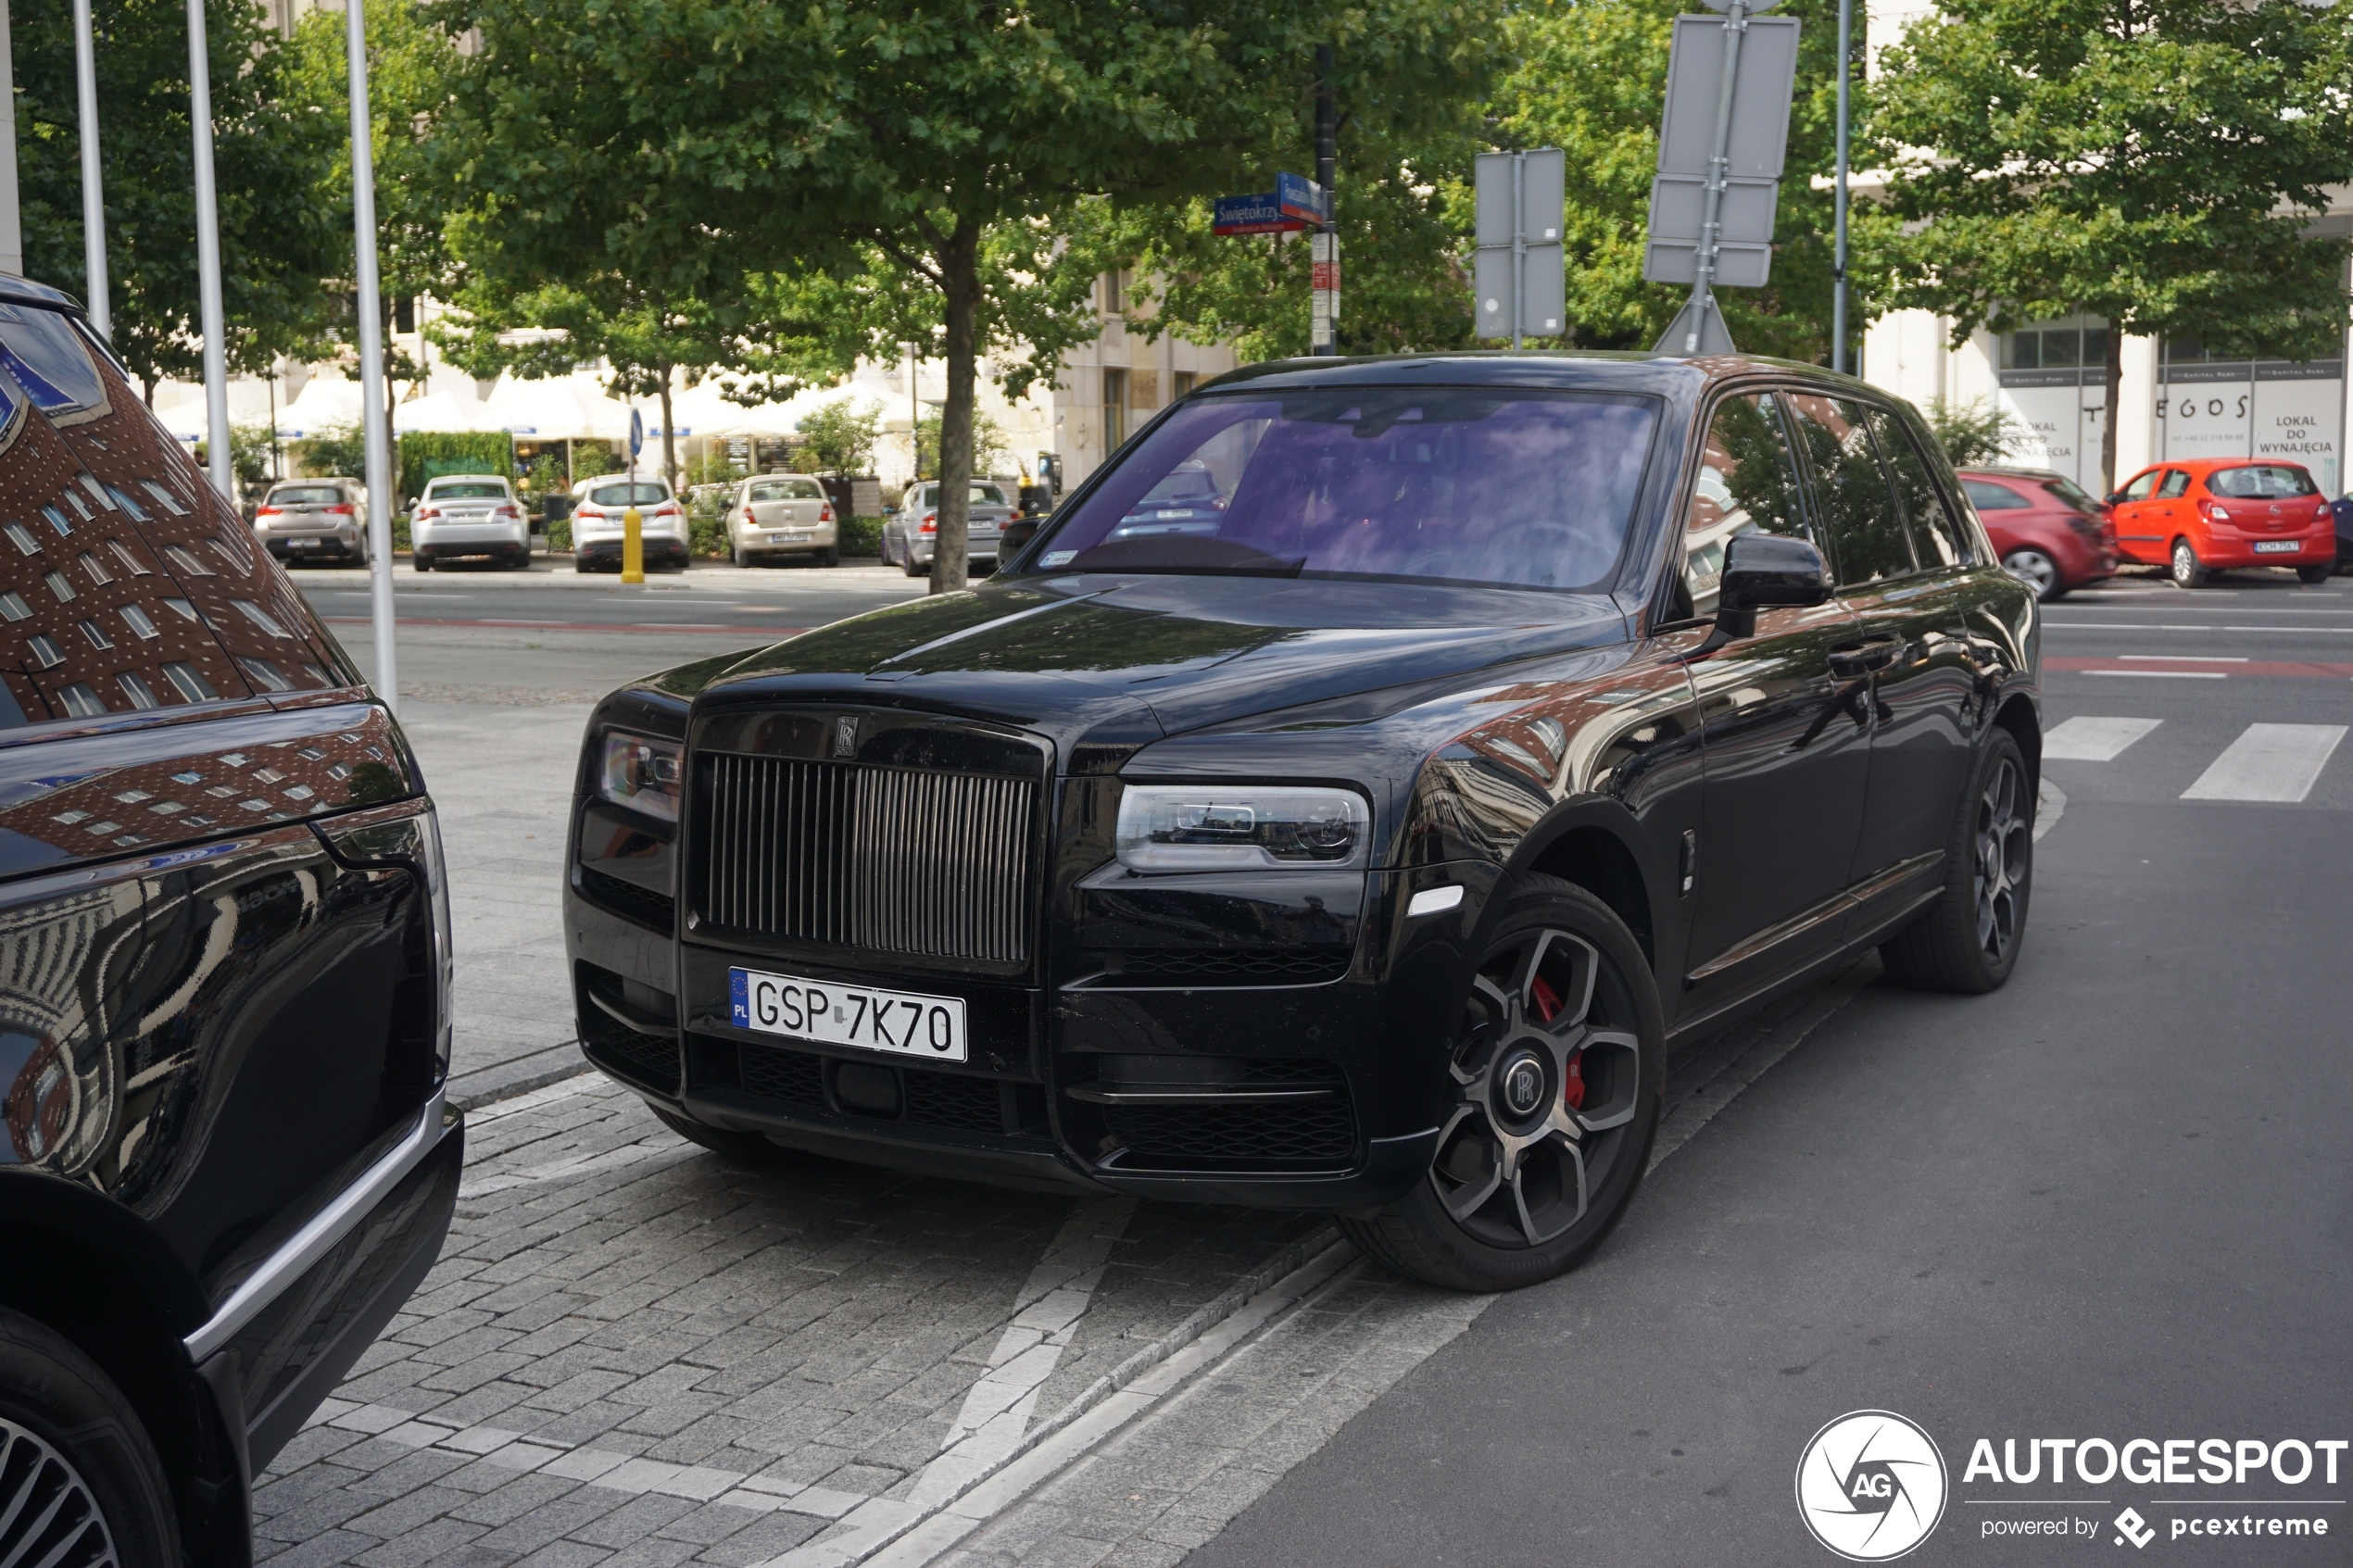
(24, 291)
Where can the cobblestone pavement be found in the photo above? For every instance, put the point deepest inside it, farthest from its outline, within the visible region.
(632, 1352)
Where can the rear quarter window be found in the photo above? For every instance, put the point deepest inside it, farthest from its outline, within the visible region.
(126, 583)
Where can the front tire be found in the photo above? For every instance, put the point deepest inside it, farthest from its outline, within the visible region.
(2038, 571)
(78, 1473)
(2188, 570)
(1968, 940)
(1554, 1065)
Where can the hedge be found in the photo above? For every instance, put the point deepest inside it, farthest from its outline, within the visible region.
(427, 454)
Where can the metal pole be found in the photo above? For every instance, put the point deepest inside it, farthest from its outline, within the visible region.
(1711, 225)
(93, 198)
(1323, 326)
(1519, 244)
(1838, 260)
(371, 352)
(11, 221)
(209, 312)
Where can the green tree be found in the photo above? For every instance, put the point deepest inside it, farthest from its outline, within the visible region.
(2152, 163)
(410, 59)
(1974, 432)
(922, 155)
(989, 444)
(336, 451)
(840, 437)
(275, 243)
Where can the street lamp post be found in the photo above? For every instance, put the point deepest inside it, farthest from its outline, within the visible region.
(372, 351)
(209, 311)
(11, 221)
(1838, 200)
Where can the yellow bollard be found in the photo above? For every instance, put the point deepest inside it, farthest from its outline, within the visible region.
(632, 546)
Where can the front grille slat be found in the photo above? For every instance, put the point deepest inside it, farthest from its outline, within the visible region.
(884, 859)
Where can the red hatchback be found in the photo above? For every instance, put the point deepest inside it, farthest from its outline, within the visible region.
(2045, 527)
(2204, 516)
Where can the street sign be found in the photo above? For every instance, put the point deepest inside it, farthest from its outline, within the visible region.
(1302, 198)
(636, 433)
(1721, 146)
(1519, 273)
(1260, 214)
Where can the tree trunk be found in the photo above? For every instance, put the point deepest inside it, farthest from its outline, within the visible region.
(2114, 380)
(959, 272)
(668, 435)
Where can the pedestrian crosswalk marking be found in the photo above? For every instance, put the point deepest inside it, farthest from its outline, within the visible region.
(2278, 762)
(2093, 740)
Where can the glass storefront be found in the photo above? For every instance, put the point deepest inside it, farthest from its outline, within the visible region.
(2212, 406)
(2053, 378)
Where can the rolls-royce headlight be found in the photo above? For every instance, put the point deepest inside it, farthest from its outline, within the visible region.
(641, 774)
(1241, 827)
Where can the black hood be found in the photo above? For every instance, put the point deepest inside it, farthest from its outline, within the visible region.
(1127, 660)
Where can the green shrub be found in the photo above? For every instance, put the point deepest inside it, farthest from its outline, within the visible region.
(560, 537)
(707, 535)
(428, 454)
(861, 536)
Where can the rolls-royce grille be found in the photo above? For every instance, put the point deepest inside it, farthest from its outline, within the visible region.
(886, 860)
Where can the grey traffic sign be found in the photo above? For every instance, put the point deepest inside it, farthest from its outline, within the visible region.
(1755, 147)
(1519, 274)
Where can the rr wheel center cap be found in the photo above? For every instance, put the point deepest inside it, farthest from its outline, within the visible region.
(1523, 1082)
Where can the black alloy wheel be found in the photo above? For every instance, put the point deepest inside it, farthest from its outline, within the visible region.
(2188, 571)
(1968, 940)
(1552, 1075)
(80, 1483)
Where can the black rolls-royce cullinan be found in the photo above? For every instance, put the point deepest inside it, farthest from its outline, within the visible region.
(1361, 830)
(224, 951)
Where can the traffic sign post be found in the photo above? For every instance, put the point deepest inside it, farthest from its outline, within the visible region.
(1721, 146)
(1519, 274)
(633, 525)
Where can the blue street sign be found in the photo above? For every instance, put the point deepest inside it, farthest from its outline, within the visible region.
(636, 433)
(1258, 214)
(1301, 198)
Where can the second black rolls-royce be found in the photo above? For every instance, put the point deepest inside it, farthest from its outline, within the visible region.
(1491, 724)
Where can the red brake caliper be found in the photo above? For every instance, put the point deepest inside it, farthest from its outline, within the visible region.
(1548, 1007)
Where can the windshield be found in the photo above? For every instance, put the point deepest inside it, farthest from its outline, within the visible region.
(466, 490)
(627, 494)
(307, 495)
(1489, 485)
(2261, 481)
(786, 490)
(982, 495)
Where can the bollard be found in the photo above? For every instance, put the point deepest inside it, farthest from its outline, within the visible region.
(632, 546)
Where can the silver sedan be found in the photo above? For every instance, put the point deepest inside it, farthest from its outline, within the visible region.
(908, 538)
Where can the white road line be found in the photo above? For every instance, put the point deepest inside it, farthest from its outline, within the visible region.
(2162, 674)
(2278, 762)
(2190, 657)
(2093, 740)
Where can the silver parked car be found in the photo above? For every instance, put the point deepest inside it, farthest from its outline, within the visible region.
(469, 514)
(774, 515)
(908, 538)
(314, 520)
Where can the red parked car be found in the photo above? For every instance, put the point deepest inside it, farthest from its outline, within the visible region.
(2045, 528)
(2207, 515)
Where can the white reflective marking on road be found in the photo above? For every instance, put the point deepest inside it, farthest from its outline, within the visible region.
(2050, 803)
(2093, 740)
(2190, 657)
(2277, 762)
(2163, 674)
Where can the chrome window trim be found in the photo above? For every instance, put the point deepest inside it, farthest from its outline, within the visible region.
(326, 1228)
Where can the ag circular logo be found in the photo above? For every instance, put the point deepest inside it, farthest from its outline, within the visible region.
(1870, 1486)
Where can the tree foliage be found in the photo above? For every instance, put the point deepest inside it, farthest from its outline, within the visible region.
(840, 437)
(2152, 163)
(276, 244)
(1976, 431)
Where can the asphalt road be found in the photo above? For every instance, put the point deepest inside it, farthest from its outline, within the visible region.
(2109, 1201)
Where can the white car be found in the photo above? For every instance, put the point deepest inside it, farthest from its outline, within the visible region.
(774, 515)
(598, 520)
(469, 515)
(313, 520)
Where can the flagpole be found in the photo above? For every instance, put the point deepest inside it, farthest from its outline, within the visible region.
(94, 200)
(371, 353)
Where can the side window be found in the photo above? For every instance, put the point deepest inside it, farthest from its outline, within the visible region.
(1936, 535)
(2141, 486)
(1990, 497)
(2177, 483)
(1747, 484)
(1867, 540)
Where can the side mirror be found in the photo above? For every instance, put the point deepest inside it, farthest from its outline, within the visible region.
(2114, 496)
(1763, 572)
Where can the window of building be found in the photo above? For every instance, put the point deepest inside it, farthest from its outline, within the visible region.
(80, 701)
(1181, 383)
(1115, 410)
(191, 685)
(135, 687)
(2075, 342)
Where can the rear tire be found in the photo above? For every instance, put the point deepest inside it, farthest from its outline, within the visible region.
(2038, 570)
(737, 1148)
(2316, 573)
(419, 563)
(65, 1426)
(912, 567)
(1968, 940)
(743, 557)
(2188, 570)
(829, 555)
(1554, 1112)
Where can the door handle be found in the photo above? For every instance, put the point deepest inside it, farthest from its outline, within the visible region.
(1872, 654)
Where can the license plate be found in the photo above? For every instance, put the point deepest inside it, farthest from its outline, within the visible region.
(2277, 546)
(304, 544)
(894, 1023)
(789, 538)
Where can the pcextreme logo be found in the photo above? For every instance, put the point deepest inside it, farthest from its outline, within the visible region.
(1870, 1486)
